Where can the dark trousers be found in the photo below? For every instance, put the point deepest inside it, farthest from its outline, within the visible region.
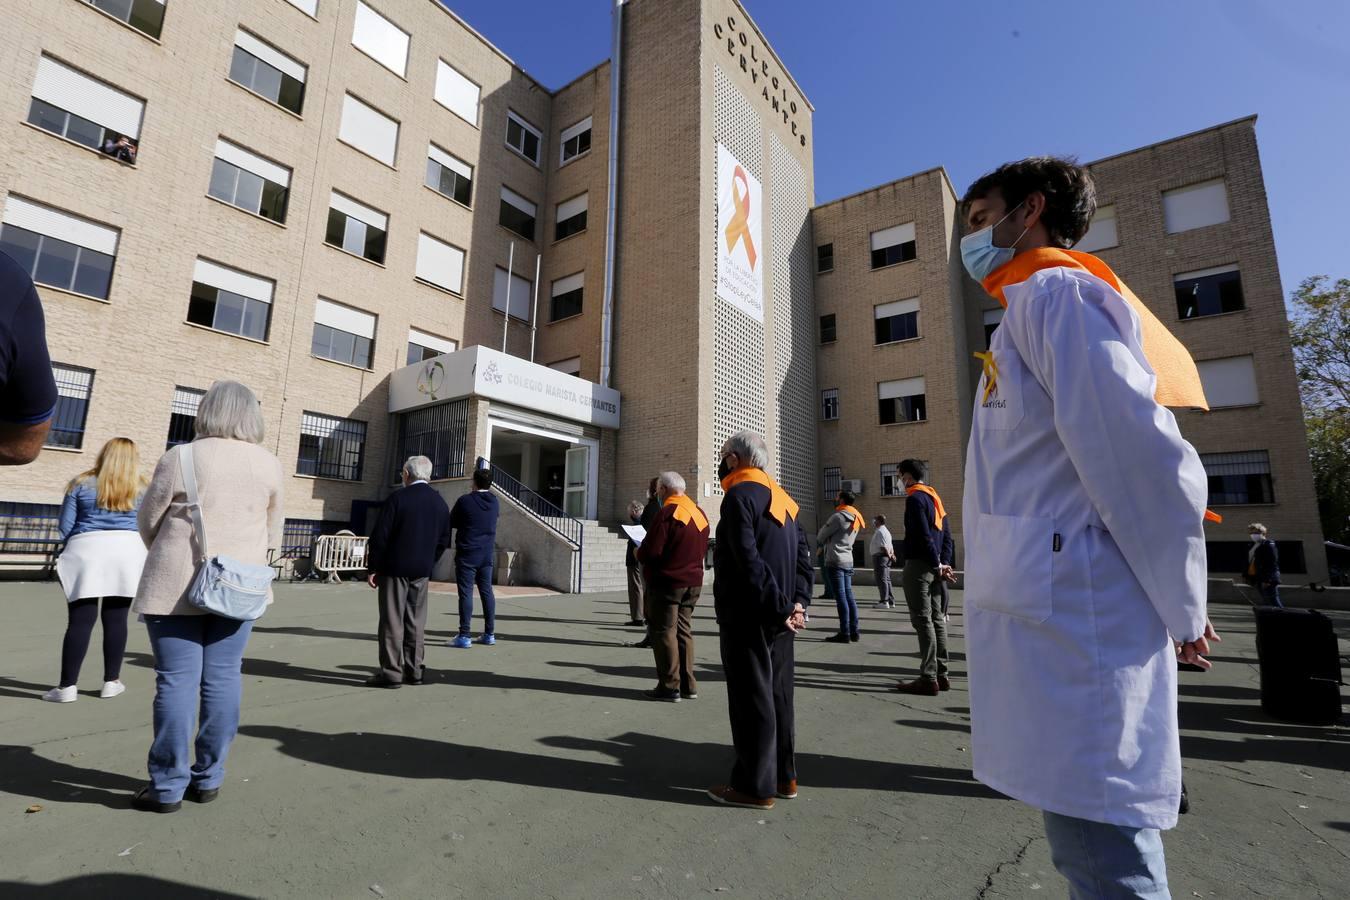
(403, 623)
(80, 617)
(672, 631)
(467, 575)
(881, 568)
(924, 598)
(758, 666)
(636, 610)
(1270, 594)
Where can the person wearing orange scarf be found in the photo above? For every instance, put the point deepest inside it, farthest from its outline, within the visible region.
(837, 536)
(921, 578)
(1083, 529)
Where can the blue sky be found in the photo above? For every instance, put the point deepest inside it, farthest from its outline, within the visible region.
(901, 86)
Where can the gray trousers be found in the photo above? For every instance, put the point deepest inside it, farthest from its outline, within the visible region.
(881, 568)
(923, 595)
(403, 622)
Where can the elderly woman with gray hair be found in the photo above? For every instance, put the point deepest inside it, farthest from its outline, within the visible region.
(198, 654)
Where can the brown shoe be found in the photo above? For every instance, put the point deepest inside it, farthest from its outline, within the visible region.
(944, 683)
(787, 790)
(921, 686)
(727, 795)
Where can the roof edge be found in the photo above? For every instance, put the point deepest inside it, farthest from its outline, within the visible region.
(1173, 140)
(885, 184)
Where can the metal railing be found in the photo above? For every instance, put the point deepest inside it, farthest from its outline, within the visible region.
(542, 510)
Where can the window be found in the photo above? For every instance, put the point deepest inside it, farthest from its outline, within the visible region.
(898, 321)
(517, 214)
(832, 481)
(570, 218)
(892, 245)
(439, 433)
(331, 447)
(249, 181)
(565, 297)
(85, 110)
(575, 141)
(449, 175)
(1237, 479)
(73, 387)
(309, 6)
(902, 401)
(522, 137)
(423, 346)
(229, 300)
(380, 39)
(825, 258)
(1101, 234)
(991, 319)
(1230, 381)
(829, 405)
(183, 416)
(891, 485)
(520, 291)
(367, 129)
(827, 335)
(1208, 292)
(298, 535)
(343, 334)
(356, 228)
(440, 263)
(568, 366)
(1195, 206)
(268, 72)
(456, 93)
(59, 250)
(146, 16)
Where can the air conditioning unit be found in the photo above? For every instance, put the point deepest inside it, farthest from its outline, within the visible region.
(853, 485)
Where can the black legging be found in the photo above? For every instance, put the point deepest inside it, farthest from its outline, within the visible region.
(80, 627)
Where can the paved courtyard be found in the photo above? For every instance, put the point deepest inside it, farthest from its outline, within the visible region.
(536, 769)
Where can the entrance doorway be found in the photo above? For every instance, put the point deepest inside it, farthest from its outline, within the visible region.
(558, 467)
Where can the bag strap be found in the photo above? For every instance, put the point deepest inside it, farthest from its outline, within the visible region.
(185, 465)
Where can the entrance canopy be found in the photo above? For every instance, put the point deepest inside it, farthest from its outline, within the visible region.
(483, 372)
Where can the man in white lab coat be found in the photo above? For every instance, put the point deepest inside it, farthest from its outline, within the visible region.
(1085, 552)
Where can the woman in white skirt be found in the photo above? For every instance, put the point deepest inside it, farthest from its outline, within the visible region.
(102, 558)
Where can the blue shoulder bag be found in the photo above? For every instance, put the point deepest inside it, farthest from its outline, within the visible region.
(221, 585)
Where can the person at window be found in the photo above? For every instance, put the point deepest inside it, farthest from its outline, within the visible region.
(761, 577)
(198, 654)
(921, 578)
(672, 556)
(1263, 565)
(412, 532)
(474, 520)
(636, 609)
(837, 537)
(1084, 536)
(883, 556)
(27, 385)
(649, 512)
(119, 146)
(102, 559)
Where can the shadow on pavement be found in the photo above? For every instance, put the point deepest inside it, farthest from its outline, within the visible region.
(23, 773)
(112, 886)
(963, 727)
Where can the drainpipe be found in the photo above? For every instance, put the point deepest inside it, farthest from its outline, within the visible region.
(510, 277)
(607, 310)
(534, 314)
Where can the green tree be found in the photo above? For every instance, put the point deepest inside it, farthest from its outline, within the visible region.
(1321, 338)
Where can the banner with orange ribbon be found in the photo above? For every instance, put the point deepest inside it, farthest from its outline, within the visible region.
(740, 220)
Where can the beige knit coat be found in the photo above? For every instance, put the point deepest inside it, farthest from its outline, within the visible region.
(239, 485)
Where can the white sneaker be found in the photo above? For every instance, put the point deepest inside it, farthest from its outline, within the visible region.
(112, 689)
(62, 694)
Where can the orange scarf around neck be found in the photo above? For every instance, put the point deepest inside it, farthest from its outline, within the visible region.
(939, 511)
(781, 506)
(687, 510)
(1178, 379)
(857, 516)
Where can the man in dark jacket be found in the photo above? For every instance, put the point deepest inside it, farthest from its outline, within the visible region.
(672, 563)
(1263, 565)
(648, 519)
(412, 532)
(762, 580)
(925, 522)
(474, 520)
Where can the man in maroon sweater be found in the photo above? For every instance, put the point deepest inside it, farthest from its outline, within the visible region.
(672, 556)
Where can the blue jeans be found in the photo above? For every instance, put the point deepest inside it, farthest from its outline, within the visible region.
(197, 662)
(1270, 594)
(842, 580)
(467, 575)
(1106, 862)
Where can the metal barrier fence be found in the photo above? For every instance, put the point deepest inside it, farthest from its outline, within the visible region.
(338, 553)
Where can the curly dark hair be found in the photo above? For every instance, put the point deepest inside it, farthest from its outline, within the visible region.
(1070, 194)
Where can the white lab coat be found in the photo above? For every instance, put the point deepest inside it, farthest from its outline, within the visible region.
(1083, 522)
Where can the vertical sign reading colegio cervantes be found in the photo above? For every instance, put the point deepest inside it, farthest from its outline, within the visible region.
(740, 217)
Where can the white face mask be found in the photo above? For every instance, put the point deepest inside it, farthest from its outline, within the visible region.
(1258, 538)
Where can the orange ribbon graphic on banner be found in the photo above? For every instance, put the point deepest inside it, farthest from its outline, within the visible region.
(738, 229)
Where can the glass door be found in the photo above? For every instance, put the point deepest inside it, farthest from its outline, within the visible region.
(576, 481)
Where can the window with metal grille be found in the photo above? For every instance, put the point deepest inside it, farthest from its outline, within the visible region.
(331, 447)
(183, 415)
(891, 485)
(829, 404)
(29, 527)
(73, 388)
(146, 16)
(1238, 478)
(833, 476)
(298, 535)
(827, 329)
(825, 258)
(440, 433)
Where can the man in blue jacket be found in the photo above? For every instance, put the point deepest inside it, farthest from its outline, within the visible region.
(1263, 565)
(925, 524)
(411, 534)
(474, 520)
(762, 581)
